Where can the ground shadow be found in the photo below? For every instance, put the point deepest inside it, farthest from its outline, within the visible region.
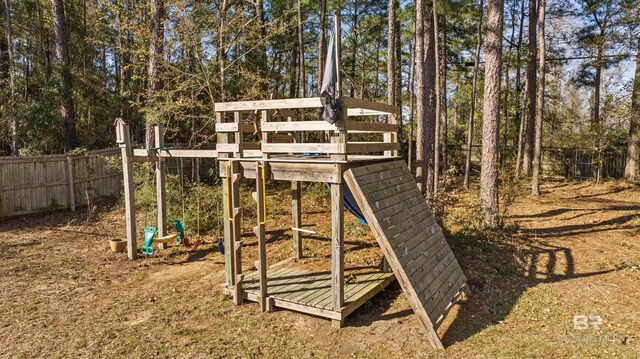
(498, 273)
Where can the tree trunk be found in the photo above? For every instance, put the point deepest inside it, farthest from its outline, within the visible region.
(505, 104)
(633, 148)
(421, 97)
(398, 76)
(443, 92)
(354, 49)
(302, 79)
(222, 52)
(438, 101)
(476, 63)
(491, 115)
(430, 88)
(391, 65)
(67, 110)
(527, 159)
(537, 157)
(13, 116)
(156, 48)
(595, 121)
(122, 62)
(411, 85)
(519, 92)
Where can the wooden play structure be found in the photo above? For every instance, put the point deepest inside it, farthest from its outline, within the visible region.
(271, 140)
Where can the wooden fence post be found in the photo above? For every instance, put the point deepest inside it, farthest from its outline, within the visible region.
(124, 141)
(72, 195)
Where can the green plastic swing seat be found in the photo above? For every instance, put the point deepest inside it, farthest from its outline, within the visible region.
(179, 226)
(147, 249)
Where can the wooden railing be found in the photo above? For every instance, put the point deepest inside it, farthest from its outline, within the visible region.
(257, 128)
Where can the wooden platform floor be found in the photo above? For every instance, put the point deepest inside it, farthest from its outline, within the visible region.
(310, 292)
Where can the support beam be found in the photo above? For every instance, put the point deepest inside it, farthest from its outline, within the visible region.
(296, 213)
(228, 253)
(337, 244)
(160, 187)
(123, 138)
(236, 247)
(259, 230)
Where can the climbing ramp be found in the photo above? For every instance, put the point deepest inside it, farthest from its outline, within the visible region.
(411, 240)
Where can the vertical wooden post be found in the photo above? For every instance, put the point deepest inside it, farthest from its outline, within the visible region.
(223, 138)
(236, 232)
(259, 231)
(123, 138)
(237, 118)
(72, 194)
(160, 186)
(228, 241)
(337, 245)
(391, 137)
(296, 212)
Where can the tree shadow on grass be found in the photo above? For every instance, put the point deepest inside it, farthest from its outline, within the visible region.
(498, 273)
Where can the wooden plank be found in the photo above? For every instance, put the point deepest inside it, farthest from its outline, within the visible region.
(329, 148)
(330, 314)
(294, 126)
(353, 112)
(260, 229)
(365, 147)
(233, 127)
(141, 153)
(360, 282)
(355, 301)
(449, 289)
(351, 102)
(296, 214)
(311, 102)
(337, 245)
(234, 147)
(320, 286)
(301, 284)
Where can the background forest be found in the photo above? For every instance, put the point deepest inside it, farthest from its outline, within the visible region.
(69, 68)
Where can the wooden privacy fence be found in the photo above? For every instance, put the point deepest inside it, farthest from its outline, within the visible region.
(44, 183)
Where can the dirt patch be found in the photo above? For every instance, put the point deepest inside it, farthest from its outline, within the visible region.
(563, 282)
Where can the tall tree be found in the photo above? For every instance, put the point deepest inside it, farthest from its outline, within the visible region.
(421, 96)
(13, 116)
(537, 156)
(410, 90)
(67, 108)
(443, 94)
(530, 93)
(391, 67)
(491, 114)
(518, 115)
(632, 165)
(476, 64)
(156, 49)
(430, 94)
(302, 79)
(438, 100)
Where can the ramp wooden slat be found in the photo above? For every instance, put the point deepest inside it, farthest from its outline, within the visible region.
(410, 238)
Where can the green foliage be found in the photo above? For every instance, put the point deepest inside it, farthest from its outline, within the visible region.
(194, 203)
